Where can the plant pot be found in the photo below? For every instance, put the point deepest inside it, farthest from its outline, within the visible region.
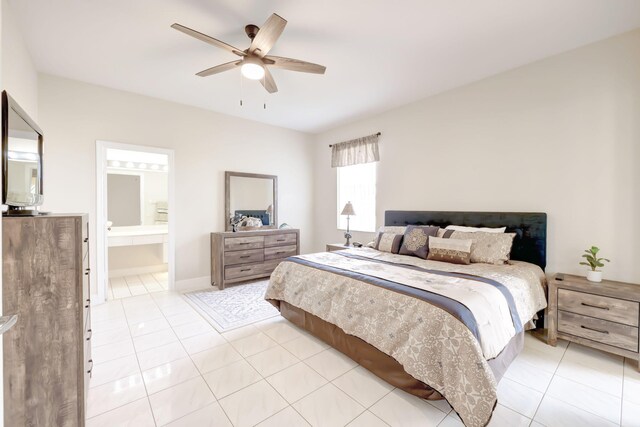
(594, 276)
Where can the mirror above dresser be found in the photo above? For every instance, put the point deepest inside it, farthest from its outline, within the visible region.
(251, 201)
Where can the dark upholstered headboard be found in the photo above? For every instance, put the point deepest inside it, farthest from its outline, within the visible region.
(530, 244)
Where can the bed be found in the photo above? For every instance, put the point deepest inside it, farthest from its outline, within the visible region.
(434, 329)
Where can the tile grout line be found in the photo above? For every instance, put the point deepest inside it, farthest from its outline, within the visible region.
(135, 352)
(200, 374)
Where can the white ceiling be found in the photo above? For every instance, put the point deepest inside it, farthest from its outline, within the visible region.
(379, 54)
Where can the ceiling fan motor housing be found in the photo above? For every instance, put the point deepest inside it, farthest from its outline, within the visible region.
(251, 30)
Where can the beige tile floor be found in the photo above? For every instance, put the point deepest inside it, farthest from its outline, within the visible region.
(139, 284)
(157, 362)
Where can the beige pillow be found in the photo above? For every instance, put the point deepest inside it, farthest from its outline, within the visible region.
(475, 229)
(455, 251)
(488, 248)
(389, 242)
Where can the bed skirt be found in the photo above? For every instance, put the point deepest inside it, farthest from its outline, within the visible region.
(379, 363)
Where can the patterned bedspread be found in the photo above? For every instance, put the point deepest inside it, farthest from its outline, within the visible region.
(440, 321)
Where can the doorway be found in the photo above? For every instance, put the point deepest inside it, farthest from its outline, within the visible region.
(134, 220)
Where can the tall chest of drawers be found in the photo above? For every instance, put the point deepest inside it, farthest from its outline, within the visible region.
(602, 315)
(47, 354)
(248, 255)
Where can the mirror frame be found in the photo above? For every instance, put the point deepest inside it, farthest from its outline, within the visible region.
(227, 196)
(9, 103)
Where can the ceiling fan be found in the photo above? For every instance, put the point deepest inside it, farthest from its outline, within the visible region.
(255, 62)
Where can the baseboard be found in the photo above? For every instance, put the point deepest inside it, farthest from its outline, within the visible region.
(194, 284)
(138, 270)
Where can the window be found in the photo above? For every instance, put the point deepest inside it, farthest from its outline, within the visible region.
(357, 184)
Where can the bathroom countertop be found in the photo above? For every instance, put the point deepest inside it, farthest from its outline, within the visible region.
(140, 230)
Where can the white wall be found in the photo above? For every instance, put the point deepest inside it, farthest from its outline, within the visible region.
(74, 115)
(561, 136)
(20, 78)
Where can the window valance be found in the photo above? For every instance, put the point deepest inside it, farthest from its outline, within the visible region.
(356, 151)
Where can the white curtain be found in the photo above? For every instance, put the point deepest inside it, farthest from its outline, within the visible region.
(355, 152)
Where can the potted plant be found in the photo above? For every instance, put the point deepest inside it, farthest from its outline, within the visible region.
(593, 262)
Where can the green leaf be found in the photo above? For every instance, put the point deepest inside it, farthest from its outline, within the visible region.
(599, 264)
(585, 263)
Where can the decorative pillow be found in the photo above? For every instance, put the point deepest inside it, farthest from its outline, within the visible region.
(416, 240)
(455, 251)
(395, 229)
(389, 242)
(476, 229)
(488, 248)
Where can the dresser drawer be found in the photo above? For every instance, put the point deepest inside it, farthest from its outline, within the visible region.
(242, 271)
(612, 309)
(240, 243)
(244, 257)
(278, 252)
(87, 367)
(281, 239)
(603, 331)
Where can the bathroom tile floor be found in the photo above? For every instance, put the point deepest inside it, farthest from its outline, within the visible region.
(151, 371)
(140, 284)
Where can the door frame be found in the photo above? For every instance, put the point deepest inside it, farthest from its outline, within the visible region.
(101, 210)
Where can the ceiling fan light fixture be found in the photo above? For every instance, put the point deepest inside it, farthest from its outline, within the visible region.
(252, 69)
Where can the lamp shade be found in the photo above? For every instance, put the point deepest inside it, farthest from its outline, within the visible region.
(348, 209)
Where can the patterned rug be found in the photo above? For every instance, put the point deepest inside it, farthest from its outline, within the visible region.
(233, 307)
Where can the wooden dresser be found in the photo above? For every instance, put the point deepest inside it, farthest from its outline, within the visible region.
(248, 255)
(602, 315)
(47, 354)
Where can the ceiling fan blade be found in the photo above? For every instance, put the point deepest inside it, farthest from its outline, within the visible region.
(207, 39)
(294, 65)
(268, 82)
(268, 35)
(218, 69)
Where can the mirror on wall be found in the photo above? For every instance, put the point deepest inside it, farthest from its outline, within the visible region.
(250, 195)
(124, 202)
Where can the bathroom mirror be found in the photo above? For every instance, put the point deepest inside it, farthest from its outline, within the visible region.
(252, 195)
(124, 199)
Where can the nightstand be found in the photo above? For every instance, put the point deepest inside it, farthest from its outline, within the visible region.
(338, 247)
(601, 315)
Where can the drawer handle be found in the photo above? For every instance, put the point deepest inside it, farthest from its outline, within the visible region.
(595, 330)
(245, 256)
(87, 271)
(88, 303)
(86, 239)
(281, 252)
(245, 269)
(281, 240)
(90, 334)
(90, 369)
(244, 243)
(595, 306)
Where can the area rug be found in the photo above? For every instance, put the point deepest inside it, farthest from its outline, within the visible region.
(233, 307)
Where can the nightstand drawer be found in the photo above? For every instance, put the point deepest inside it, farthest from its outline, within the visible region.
(612, 309)
(240, 243)
(602, 331)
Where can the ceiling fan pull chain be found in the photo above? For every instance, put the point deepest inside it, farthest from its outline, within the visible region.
(241, 90)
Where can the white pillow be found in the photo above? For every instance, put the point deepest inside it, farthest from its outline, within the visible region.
(475, 229)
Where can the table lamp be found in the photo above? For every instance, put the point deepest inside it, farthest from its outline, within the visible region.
(348, 211)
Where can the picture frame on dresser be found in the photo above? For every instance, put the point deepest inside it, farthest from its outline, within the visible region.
(604, 316)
